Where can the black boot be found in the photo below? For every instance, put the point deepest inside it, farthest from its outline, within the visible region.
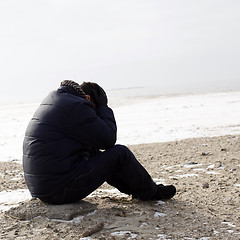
(164, 192)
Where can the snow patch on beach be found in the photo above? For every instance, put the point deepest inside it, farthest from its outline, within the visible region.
(158, 214)
(12, 198)
(14, 120)
(127, 234)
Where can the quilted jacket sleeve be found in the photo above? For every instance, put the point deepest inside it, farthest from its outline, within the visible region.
(93, 128)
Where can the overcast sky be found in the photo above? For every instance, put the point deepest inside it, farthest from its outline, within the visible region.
(186, 45)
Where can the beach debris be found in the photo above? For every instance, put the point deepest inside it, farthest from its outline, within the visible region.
(212, 173)
(211, 166)
(205, 185)
(93, 229)
(218, 164)
(189, 163)
(125, 234)
(143, 224)
(229, 224)
(163, 236)
(187, 175)
(121, 214)
(158, 214)
(206, 153)
(160, 202)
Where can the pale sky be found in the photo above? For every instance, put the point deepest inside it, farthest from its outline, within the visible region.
(179, 45)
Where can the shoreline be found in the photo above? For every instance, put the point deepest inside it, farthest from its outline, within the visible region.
(204, 170)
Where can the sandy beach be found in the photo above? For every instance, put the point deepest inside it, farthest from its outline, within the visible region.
(206, 206)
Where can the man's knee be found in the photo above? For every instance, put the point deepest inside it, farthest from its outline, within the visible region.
(122, 150)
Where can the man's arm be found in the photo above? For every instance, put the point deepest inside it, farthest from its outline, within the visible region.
(92, 127)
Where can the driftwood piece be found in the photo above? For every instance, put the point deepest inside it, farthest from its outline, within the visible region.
(93, 229)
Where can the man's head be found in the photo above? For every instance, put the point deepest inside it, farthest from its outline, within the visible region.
(88, 90)
(91, 89)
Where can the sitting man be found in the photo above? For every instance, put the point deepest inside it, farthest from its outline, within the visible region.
(62, 160)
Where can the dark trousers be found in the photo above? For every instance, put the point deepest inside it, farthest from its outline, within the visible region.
(118, 167)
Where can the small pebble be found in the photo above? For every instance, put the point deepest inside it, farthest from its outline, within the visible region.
(218, 164)
(206, 153)
(205, 185)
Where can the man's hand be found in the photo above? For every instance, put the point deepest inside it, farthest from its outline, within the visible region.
(100, 97)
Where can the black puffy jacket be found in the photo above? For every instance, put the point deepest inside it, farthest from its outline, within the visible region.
(60, 136)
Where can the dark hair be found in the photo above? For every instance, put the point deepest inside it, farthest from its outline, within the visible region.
(89, 88)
